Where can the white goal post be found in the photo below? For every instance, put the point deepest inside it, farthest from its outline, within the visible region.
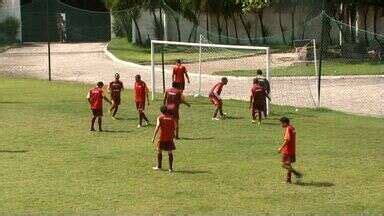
(199, 47)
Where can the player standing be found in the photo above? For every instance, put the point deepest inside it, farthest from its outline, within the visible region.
(167, 126)
(214, 96)
(288, 149)
(257, 100)
(265, 83)
(95, 98)
(115, 87)
(141, 95)
(179, 74)
(172, 99)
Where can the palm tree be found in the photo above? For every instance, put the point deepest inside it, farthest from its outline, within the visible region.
(152, 6)
(257, 7)
(280, 6)
(176, 7)
(191, 10)
(228, 12)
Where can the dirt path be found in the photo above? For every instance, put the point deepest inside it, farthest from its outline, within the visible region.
(87, 62)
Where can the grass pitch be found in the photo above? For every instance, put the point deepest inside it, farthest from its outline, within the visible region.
(50, 162)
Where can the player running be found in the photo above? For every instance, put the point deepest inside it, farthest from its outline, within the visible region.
(265, 83)
(141, 95)
(172, 99)
(257, 100)
(214, 96)
(95, 98)
(288, 149)
(167, 126)
(115, 87)
(179, 74)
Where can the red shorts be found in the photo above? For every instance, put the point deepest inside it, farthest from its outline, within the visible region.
(166, 145)
(140, 106)
(97, 112)
(215, 101)
(116, 100)
(288, 159)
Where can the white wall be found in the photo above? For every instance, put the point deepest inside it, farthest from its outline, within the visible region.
(11, 8)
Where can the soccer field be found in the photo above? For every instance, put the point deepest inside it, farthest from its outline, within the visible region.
(51, 163)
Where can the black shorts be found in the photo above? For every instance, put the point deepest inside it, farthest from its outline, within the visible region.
(180, 86)
(97, 112)
(288, 159)
(166, 146)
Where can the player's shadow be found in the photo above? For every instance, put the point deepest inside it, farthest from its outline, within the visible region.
(125, 119)
(196, 138)
(234, 117)
(13, 151)
(315, 184)
(12, 102)
(270, 123)
(191, 172)
(116, 131)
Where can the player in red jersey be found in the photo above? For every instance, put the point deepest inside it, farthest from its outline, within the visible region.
(167, 126)
(214, 96)
(178, 74)
(172, 99)
(141, 95)
(288, 149)
(257, 100)
(115, 87)
(95, 98)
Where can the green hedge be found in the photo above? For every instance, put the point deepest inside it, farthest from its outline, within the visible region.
(9, 29)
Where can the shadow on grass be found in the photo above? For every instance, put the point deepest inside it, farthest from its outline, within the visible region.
(126, 119)
(233, 118)
(115, 131)
(315, 184)
(192, 172)
(270, 123)
(13, 151)
(196, 138)
(12, 102)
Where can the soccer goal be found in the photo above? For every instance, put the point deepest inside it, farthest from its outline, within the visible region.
(206, 64)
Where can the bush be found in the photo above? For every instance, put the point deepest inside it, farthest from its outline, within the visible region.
(9, 29)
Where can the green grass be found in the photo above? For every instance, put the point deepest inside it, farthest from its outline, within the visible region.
(50, 162)
(336, 67)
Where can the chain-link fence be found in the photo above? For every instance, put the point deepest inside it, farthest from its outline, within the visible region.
(316, 59)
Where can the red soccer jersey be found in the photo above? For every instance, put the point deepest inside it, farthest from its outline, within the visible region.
(173, 99)
(179, 73)
(96, 98)
(258, 93)
(217, 88)
(290, 137)
(116, 87)
(167, 128)
(140, 91)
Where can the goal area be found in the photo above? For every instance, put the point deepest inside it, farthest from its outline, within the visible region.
(206, 63)
(292, 73)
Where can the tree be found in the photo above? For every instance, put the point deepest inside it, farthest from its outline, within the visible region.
(126, 11)
(191, 9)
(257, 7)
(176, 7)
(280, 6)
(152, 6)
(228, 12)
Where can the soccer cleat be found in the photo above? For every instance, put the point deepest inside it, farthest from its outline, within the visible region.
(259, 124)
(156, 168)
(253, 121)
(146, 123)
(138, 126)
(113, 117)
(92, 129)
(170, 170)
(216, 119)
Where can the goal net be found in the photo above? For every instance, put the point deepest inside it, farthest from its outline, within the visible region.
(206, 63)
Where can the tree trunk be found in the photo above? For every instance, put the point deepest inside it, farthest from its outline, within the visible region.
(375, 14)
(260, 14)
(282, 28)
(157, 33)
(293, 26)
(226, 28)
(138, 31)
(207, 24)
(366, 9)
(191, 33)
(246, 28)
(177, 21)
(236, 32)
(218, 26)
(161, 24)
